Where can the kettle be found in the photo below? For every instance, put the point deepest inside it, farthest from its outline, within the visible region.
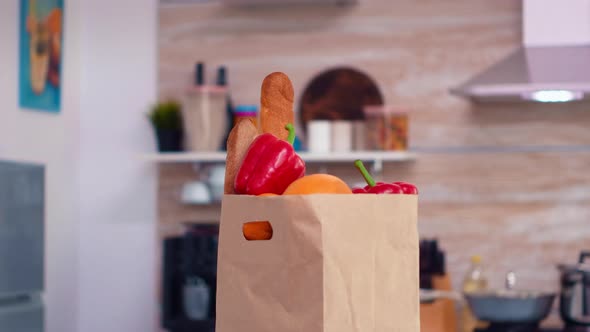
(574, 302)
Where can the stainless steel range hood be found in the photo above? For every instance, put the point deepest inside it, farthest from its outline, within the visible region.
(553, 65)
(534, 73)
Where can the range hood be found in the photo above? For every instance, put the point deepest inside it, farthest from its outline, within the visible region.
(553, 65)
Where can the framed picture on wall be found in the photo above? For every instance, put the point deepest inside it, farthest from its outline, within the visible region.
(40, 54)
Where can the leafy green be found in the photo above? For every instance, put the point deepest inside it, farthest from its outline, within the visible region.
(166, 115)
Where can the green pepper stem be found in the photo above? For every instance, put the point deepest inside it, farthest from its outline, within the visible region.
(368, 178)
(291, 129)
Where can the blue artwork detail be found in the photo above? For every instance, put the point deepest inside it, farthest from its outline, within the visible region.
(40, 54)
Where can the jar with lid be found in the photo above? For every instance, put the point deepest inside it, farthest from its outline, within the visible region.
(246, 112)
(386, 127)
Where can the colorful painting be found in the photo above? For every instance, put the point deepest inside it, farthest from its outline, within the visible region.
(41, 45)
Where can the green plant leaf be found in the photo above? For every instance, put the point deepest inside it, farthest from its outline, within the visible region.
(166, 115)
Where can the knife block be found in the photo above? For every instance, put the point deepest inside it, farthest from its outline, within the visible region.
(440, 315)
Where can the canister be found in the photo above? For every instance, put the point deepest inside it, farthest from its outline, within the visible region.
(319, 136)
(342, 135)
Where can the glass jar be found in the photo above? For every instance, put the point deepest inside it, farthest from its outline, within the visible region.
(386, 127)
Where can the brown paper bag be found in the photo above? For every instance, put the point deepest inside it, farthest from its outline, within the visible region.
(335, 263)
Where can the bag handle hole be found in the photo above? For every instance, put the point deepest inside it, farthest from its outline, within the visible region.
(257, 230)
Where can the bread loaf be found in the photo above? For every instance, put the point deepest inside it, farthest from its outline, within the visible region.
(276, 105)
(238, 142)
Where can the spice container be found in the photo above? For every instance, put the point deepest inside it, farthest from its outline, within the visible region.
(387, 128)
(246, 112)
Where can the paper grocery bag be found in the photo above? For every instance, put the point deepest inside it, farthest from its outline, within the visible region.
(335, 263)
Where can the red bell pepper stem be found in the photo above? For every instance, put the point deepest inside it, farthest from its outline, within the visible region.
(291, 137)
(368, 178)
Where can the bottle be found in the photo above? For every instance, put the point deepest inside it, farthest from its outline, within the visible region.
(222, 82)
(474, 281)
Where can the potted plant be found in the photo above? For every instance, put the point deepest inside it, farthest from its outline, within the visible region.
(166, 118)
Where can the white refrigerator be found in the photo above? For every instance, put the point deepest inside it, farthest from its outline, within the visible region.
(21, 247)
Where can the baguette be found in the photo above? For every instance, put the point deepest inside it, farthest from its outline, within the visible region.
(238, 142)
(276, 105)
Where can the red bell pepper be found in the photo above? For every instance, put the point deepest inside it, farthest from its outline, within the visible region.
(407, 188)
(270, 165)
(373, 187)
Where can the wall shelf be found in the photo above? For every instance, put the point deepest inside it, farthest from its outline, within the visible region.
(375, 157)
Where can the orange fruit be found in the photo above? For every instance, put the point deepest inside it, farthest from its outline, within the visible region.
(267, 194)
(257, 230)
(318, 184)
